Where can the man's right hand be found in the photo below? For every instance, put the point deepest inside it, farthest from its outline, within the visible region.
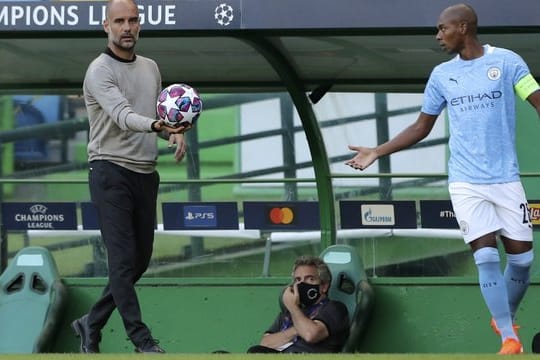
(160, 125)
(364, 157)
(290, 297)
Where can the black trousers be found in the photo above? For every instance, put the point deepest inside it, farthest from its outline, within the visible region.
(261, 349)
(126, 207)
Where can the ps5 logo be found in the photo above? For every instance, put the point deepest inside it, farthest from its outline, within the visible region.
(198, 215)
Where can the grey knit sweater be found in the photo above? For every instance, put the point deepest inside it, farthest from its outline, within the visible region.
(120, 98)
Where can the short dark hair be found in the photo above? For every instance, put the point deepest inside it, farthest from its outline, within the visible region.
(322, 269)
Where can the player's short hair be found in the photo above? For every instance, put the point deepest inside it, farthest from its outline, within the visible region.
(322, 269)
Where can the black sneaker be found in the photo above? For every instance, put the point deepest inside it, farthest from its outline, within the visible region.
(89, 344)
(150, 345)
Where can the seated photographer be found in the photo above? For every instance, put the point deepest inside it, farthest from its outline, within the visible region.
(309, 322)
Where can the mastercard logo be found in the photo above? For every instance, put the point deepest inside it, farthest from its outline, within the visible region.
(281, 216)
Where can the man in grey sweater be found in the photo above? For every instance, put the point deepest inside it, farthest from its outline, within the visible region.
(120, 92)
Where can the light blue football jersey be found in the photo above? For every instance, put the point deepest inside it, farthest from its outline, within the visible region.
(480, 100)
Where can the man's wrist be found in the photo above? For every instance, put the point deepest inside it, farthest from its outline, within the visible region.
(153, 126)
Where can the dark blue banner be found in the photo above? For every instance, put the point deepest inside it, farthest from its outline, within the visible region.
(39, 216)
(437, 214)
(89, 15)
(199, 216)
(285, 215)
(90, 220)
(89, 216)
(258, 14)
(378, 214)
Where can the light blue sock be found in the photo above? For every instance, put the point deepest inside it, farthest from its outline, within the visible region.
(517, 278)
(493, 289)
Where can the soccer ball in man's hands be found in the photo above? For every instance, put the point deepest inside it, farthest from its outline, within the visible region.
(179, 105)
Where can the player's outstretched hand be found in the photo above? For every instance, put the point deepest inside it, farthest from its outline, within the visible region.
(364, 157)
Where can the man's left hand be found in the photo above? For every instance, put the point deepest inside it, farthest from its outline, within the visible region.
(180, 143)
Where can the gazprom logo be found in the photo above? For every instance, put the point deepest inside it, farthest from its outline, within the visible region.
(378, 215)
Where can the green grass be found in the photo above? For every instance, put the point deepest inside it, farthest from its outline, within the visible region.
(264, 356)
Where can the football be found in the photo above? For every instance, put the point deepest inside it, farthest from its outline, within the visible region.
(179, 105)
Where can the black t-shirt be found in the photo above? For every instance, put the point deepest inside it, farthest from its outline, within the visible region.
(334, 315)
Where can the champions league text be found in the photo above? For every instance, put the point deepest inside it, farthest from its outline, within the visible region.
(39, 221)
(74, 15)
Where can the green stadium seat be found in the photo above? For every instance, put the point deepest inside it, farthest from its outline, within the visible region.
(32, 298)
(351, 286)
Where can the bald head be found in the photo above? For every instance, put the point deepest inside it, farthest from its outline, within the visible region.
(122, 25)
(461, 13)
(457, 31)
(113, 4)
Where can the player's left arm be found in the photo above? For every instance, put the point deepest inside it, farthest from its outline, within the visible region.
(534, 100)
(312, 331)
(528, 89)
(175, 137)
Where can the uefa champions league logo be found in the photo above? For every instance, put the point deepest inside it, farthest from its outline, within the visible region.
(224, 14)
(38, 209)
